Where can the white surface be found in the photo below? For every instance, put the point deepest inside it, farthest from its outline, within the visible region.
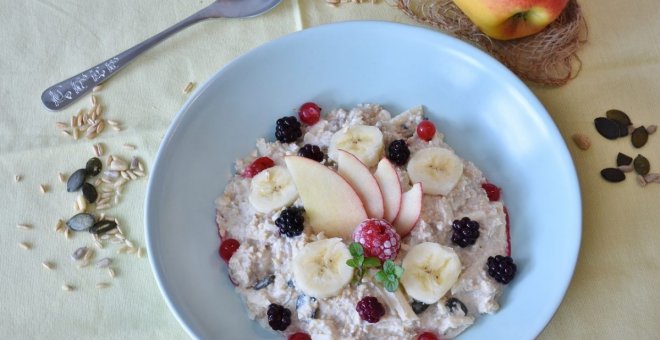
(486, 113)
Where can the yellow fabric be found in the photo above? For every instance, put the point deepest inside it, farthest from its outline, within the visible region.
(613, 292)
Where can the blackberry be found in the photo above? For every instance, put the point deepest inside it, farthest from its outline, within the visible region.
(466, 232)
(501, 268)
(290, 222)
(370, 309)
(398, 152)
(312, 152)
(287, 129)
(279, 318)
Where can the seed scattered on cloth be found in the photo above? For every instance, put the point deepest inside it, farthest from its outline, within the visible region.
(619, 116)
(76, 180)
(104, 263)
(582, 141)
(79, 253)
(641, 181)
(612, 175)
(626, 168)
(97, 88)
(639, 137)
(642, 165)
(623, 159)
(112, 273)
(607, 128)
(67, 288)
(188, 88)
(81, 222)
(43, 188)
(24, 226)
(102, 285)
(102, 227)
(25, 245)
(651, 129)
(89, 192)
(17, 178)
(48, 265)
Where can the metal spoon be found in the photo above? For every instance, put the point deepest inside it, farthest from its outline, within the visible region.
(62, 94)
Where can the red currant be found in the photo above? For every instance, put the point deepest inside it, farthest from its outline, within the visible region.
(300, 336)
(492, 191)
(309, 113)
(228, 247)
(260, 164)
(427, 336)
(426, 130)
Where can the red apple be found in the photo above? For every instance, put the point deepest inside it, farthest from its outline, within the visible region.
(411, 209)
(388, 181)
(363, 182)
(511, 19)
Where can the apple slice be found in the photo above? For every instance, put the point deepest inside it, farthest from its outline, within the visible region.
(360, 178)
(388, 182)
(411, 208)
(331, 205)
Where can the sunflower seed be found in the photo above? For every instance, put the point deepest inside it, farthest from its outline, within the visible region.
(43, 188)
(100, 127)
(651, 129)
(583, 142)
(81, 201)
(76, 180)
(17, 178)
(89, 193)
(81, 222)
(98, 182)
(103, 201)
(116, 128)
(97, 88)
(639, 137)
(61, 126)
(67, 288)
(642, 165)
(120, 182)
(58, 225)
(98, 244)
(74, 121)
(112, 122)
(79, 253)
(76, 133)
(82, 264)
(112, 273)
(66, 132)
(119, 165)
(125, 175)
(116, 200)
(140, 252)
(102, 285)
(102, 227)
(25, 245)
(641, 181)
(119, 228)
(89, 255)
(140, 167)
(48, 265)
(188, 87)
(67, 233)
(612, 175)
(129, 146)
(131, 250)
(139, 173)
(130, 244)
(23, 226)
(103, 263)
(122, 250)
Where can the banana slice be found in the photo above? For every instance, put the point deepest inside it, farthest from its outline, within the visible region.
(438, 169)
(272, 189)
(363, 141)
(320, 268)
(429, 271)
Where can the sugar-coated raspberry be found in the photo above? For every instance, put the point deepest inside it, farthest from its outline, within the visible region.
(309, 113)
(378, 238)
(427, 336)
(492, 191)
(227, 248)
(370, 309)
(299, 336)
(260, 164)
(426, 130)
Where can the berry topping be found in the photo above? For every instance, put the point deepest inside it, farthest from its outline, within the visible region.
(378, 238)
(370, 309)
(312, 152)
(501, 268)
(426, 130)
(508, 232)
(287, 129)
(427, 336)
(309, 113)
(299, 336)
(260, 164)
(228, 247)
(290, 222)
(279, 318)
(398, 152)
(466, 232)
(492, 191)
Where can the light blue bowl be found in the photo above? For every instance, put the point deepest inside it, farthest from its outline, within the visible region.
(487, 114)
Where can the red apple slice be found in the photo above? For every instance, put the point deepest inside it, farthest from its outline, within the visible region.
(331, 205)
(363, 182)
(411, 208)
(388, 181)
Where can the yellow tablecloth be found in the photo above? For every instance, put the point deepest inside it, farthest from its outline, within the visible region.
(613, 294)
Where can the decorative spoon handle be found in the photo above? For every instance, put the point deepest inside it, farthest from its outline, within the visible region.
(62, 94)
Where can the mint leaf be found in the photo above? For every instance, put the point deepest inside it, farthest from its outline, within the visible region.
(391, 286)
(371, 262)
(351, 263)
(359, 260)
(398, 271)
(381, 276)
(356, 249)
(389, 266)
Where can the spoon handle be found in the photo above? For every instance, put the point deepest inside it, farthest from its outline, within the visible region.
(64, 93)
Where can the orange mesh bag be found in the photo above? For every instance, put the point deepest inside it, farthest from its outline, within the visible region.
(546, 58)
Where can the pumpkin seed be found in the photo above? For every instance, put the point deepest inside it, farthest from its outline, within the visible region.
(102, 227)
(623, 159)
(80, 222)
(623, 128)
(89, 192)
(93, 166)
(79, 253)
(642, 165)
(619, 116)
(76, 180)
(613, 175)
(639, 137)
(607, 128)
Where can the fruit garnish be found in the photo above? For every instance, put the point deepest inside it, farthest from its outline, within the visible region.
(370, 309)
(359, 262)
(466, 232)
(430, 270)
(287, 129)
(272, 189)
(363, 141)
(398, 152)
(320, 270)
(312, 152)
(501, 268)
(279, 317)
(390, 187)
(389, 276)
(438, 169)
(492, 191)
(227, 248)
(291, 222)
(299, 336)
(309, 113)
(427, 336)
(378, 238)
(426, 130)
(260, 164)
(363, 182)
